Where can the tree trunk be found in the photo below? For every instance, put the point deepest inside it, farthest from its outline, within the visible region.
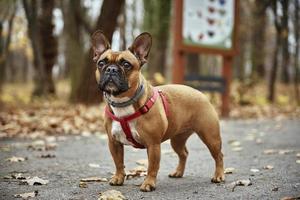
(157, 22)
(243, 40)
(10, 8)
(285, 43)
(134, 23)
(31, 10)
(74, 51)
(122, 25)
(297, 46)
(48, 43)
(86, 90)
(273, 75)
(258, 39)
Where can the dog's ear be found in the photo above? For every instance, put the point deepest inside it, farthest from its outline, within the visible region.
(100, 44)
(141, 47)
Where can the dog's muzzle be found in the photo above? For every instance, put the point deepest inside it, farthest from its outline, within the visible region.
(113, 80)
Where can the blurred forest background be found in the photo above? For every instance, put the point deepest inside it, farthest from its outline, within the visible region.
(47, 74)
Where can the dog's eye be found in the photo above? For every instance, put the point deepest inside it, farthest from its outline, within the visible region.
(101, 64)
(126, 65)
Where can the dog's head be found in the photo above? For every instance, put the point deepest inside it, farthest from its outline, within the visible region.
(119, 71)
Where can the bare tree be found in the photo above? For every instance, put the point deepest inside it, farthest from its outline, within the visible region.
(285, 62)
(122, 26)
(273, 75)
(258, 37)
(243, 40)
(157, 22)
(8, 11)
(74, 51)
(44, 44)
(48, 43)
(297, 46)
(31, 12)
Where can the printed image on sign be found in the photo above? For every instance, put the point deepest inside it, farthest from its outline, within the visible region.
(208, 23)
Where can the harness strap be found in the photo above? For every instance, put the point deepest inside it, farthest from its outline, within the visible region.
(165, 102)
(126, 129)
(143, 110)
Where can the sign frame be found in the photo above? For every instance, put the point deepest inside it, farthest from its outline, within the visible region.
(180, 48)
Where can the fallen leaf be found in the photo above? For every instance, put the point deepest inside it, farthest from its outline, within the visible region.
(143, 162)
(42, 119)
(7, 177)
(258, 141)
(3, 135)
(270, 151)
(269, 167)
(27, 195)
(245, 182)
(237, 149)
(86, 134)
(48, 155)
(229, 170)
(285, 151)
(5, 148)
(18, 176)
(234, 143)
(41, 145)
(38, 145)
(16, 159)
(298, 155)
(275, 189)
(298, 161)
(35, 181)
(94, 179)
(290, 198)
(50, 139)
(94, 165)
(50, 146)
(111, 195)
(254, 170)
(138, 171)
(61, 138)
(83, 184)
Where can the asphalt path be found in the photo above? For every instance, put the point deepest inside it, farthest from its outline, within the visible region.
(248, 147)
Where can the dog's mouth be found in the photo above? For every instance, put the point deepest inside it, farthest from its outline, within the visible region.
(113, 84)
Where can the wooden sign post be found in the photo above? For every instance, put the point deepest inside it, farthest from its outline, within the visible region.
(209, 27)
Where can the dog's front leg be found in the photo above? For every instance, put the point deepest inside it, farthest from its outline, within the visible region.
(153, 152)
(117, 152)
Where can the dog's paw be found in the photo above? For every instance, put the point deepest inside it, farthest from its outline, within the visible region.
(218, 178)
(176, 174)
(148, 185)
(117, 180)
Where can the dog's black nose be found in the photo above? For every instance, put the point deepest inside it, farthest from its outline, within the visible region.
(112, 69)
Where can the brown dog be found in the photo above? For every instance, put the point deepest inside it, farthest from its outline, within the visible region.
(139, 115)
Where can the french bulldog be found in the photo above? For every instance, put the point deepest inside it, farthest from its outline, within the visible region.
(144, 116)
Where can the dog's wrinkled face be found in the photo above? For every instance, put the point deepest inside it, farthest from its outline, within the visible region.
(118, 72)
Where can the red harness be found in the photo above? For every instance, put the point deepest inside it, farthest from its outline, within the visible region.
(143, 110)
